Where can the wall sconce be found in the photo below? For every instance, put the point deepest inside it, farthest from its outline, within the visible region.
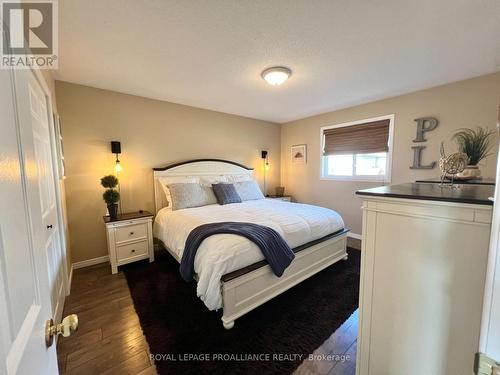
(265, 159)
(116, 149)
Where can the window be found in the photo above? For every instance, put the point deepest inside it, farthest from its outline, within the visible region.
(359, 150)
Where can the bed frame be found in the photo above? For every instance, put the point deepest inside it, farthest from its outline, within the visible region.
(244, 290)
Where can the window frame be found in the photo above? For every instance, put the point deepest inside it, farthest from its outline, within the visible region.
(388, 168)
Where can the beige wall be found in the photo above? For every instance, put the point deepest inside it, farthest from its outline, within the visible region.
(153, 133)
(469, 103)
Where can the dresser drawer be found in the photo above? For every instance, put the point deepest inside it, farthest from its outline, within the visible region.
(131, 232)
(132, 250)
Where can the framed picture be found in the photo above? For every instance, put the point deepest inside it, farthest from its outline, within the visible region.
(299, 154)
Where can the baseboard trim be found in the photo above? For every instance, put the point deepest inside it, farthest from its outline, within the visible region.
(90, 262)
(354, 235)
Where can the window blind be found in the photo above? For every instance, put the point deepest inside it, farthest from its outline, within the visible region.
(366, 138)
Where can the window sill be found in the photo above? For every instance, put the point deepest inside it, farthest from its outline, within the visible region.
(356, 179)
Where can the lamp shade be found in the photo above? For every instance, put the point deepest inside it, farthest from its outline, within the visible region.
(116, 147)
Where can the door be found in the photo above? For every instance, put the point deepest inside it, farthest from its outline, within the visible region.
(41, 126)
(490, 325)
(30, 246)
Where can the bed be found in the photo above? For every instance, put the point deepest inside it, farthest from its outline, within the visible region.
(231, 272)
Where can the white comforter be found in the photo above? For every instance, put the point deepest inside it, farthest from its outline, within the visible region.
(224, 253)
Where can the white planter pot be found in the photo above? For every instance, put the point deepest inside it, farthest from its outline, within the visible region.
(470, 172)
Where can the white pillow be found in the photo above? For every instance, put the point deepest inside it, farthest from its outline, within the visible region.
(165, 181)
(239, 177)
(248, 190)
(212, 179)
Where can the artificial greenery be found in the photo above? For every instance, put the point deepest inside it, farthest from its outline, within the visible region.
(476, 143)
(111, 196)
(109, 181)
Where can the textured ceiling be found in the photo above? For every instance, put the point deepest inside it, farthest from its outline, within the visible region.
(210, 53)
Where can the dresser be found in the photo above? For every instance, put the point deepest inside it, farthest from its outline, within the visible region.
(423, 269)
(130, 238)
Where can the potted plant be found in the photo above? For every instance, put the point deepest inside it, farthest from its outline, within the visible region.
(111, 196)
(476, 143)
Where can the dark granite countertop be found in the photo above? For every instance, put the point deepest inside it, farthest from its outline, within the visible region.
(476, 181)
(473, 194)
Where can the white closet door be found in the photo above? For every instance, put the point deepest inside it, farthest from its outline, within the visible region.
(47, 192)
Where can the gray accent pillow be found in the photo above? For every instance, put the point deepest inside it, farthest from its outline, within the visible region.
(248, 190)
(188, 195)
(226, 193)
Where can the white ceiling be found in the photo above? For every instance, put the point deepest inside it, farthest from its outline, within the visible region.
(210, 54)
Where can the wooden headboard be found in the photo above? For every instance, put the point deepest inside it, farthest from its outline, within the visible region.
(197, 167)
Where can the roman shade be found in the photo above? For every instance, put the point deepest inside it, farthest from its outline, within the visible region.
(366, 138)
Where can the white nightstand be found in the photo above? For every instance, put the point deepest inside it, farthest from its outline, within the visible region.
(285, 198)
(130, 238)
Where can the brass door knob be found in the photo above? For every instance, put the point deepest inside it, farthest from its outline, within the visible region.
(67, 326)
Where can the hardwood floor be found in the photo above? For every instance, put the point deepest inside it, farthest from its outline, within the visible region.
(109, 339)
(337, 355)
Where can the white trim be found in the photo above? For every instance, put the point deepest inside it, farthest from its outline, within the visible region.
(90, 262)
(491, 274)
(354, 235)
(58, 310)
(70, 280)
(384, 179)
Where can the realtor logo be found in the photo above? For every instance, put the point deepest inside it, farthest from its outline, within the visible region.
(29, 34)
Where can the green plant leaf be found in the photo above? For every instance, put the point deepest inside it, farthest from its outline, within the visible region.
(476, 143)
(111, 196)
(109, 181)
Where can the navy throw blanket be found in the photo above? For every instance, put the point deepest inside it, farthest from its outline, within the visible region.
(273, 246)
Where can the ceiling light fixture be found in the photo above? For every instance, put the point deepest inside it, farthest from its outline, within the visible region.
(276, 75)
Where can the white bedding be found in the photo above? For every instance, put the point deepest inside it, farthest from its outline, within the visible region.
(224, 253)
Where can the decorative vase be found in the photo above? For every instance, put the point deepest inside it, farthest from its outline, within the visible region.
(470, 172)
(113, 211)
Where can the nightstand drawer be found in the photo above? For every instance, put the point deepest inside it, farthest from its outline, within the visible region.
(130, 238)
(132, 250)
(131, 232)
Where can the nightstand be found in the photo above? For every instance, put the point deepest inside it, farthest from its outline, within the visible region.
(130, 238)
(285, 198)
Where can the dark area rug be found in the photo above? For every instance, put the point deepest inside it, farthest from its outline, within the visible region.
(177, 324)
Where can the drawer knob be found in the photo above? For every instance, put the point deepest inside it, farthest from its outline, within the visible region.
(133, 251)
(131, 233)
